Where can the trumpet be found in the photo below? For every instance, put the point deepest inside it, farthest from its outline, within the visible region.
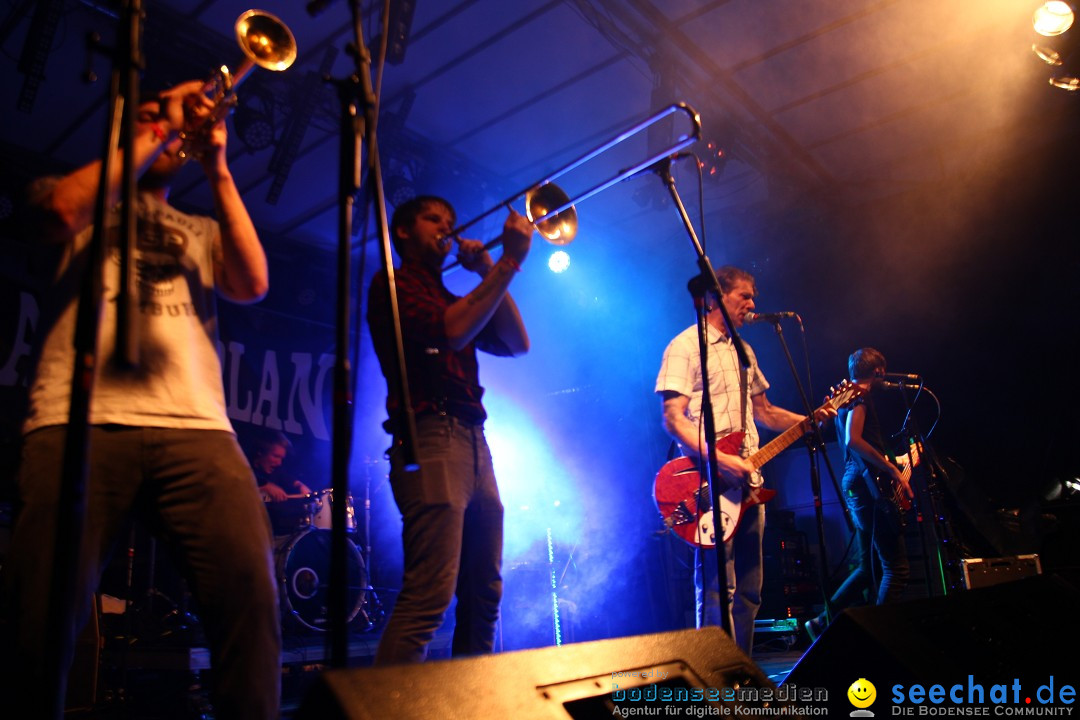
(551, 210)
(266, 42)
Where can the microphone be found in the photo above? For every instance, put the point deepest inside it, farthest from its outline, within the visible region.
(753, 317)
(904, 376)
(896, 386)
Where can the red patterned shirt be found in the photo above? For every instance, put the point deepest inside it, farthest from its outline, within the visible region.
(441, 379)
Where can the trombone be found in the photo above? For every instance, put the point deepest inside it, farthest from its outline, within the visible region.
(552, 211)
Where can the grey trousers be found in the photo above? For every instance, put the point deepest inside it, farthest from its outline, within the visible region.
(197, 493)
(452, 533)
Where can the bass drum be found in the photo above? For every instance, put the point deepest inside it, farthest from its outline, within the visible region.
(303, 570)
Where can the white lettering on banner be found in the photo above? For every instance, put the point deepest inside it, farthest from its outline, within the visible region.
(269, 390)
(235, 410)
(20, 345)
(311, 398)
(266, 409)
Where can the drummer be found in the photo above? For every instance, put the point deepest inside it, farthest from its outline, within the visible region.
(266, 459)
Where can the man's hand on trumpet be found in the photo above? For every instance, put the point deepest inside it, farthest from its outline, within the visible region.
(206, 139)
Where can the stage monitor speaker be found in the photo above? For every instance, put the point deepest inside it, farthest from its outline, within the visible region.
(1015, 630)
(579, 681)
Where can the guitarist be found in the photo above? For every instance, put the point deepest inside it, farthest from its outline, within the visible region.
(738, 399)
(870, 485)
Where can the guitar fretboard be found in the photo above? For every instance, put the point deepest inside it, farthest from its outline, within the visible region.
(778, 444)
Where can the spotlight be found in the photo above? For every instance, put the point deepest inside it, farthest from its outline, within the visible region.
(399, 189)
(1053, 20)
(254, 119)
(559, 261)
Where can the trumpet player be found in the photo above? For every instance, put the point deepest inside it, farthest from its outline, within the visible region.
(161, 445)
(452, 516)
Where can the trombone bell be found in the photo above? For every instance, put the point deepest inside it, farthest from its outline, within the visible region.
(560, 229)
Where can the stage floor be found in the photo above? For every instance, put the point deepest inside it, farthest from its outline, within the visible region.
(164, 674)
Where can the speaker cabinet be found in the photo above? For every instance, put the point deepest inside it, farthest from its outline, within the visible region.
(1019, 629)
(583, 680)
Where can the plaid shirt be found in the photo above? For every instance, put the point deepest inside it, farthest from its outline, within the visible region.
(441, 379)
(680, 372)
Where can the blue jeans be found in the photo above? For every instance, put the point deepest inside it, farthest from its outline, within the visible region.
(878, 534)
(744, 560)
(195, 490)
(452, 531)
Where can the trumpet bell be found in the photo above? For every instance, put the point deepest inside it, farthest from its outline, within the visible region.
(266, 40)
(560, 229)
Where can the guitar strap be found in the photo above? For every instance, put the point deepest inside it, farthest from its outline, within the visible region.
(756, 480)
(744, 389)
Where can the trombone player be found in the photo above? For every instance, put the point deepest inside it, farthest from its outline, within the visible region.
(452, 516)
(161, 447)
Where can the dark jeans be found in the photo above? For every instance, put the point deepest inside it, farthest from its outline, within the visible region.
(196, 491)
(878, 533)
(744, 560)
(452, 534)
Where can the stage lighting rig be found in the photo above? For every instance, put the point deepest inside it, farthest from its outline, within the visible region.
(1057, 43)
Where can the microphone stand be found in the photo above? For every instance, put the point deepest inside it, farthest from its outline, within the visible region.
(814, 442)
(706, 282)
(71, 502)
(698, 288)
(357, 129)
(948, 556)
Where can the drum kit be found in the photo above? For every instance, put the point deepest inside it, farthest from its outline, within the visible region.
(302, 527)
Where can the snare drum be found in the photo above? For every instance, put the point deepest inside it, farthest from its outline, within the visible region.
(303, 569)
(320, 510)
(290, 515)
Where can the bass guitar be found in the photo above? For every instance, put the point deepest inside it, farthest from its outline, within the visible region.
(682, 496)
(894, 491)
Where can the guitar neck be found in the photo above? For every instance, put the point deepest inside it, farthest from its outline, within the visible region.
(778, 444)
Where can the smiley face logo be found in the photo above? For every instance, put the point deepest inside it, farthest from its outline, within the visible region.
(862, 693)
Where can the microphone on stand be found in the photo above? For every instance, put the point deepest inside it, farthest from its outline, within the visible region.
(898, 386)
(753, 317)
(904, 376)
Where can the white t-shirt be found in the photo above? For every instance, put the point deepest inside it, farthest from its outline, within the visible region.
(178, 382)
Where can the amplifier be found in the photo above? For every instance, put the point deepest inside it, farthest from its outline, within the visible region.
(981, 572)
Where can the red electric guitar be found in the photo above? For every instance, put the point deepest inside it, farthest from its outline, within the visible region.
(684, 500)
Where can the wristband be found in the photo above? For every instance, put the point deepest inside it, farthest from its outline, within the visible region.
(159, 132)
(512, 262)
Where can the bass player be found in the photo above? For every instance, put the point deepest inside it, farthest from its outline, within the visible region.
(876, 492)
